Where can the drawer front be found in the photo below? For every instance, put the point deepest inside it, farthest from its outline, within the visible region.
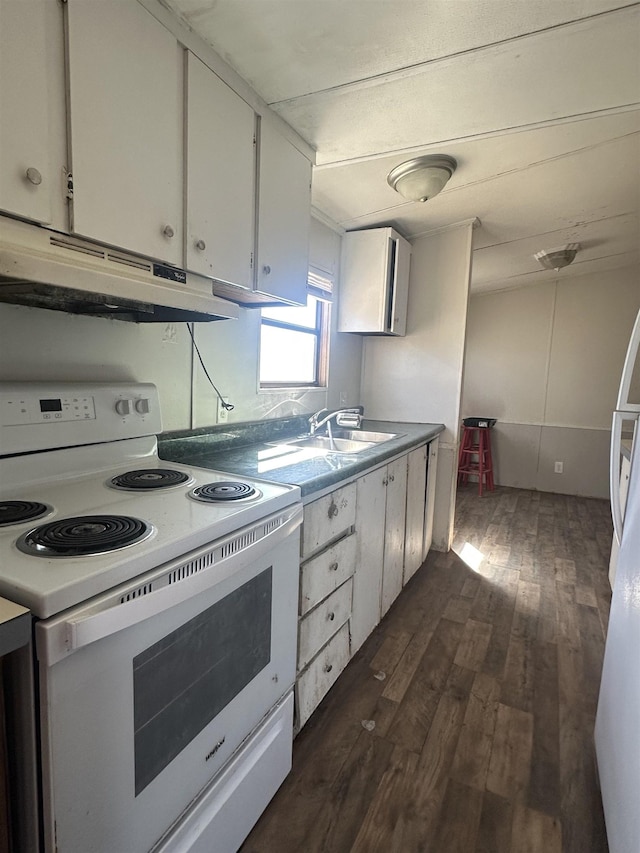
(318, 626)
(326, 572)
(328, 517)
(315, 681)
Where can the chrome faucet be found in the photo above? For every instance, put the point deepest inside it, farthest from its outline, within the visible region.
(343, 417)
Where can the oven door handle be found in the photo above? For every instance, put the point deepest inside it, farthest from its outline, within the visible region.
(58, 637)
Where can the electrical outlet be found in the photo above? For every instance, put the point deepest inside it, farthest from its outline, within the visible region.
(223, 414)
(343, 398)
(558, 468)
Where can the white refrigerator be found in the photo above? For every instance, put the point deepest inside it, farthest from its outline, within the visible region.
(617, 730)
(623, 433)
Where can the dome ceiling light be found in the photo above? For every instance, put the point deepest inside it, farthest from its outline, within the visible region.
(423, 177)
(555, 259)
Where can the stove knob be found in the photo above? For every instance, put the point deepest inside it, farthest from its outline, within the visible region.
(142, 406)
(123, 407)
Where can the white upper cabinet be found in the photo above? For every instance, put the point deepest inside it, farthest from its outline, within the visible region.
(374, 282)
(284, 212)
(25, 168)
(220, 178)
(126, 126)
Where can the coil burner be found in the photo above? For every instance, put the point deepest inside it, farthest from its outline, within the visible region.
(84, 536)
(223, 492)
(146, 479)
(15, 512)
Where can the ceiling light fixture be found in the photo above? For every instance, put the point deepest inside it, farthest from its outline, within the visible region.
(423, 177)
(555, 259)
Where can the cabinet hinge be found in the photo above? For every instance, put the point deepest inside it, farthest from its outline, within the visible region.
(69, 182)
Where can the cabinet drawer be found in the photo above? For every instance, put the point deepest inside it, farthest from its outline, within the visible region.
(318, 678)
(323, 622)
(326, 572)
(328, 517)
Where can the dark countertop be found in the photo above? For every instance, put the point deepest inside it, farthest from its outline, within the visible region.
(15, 626)
(248, 450)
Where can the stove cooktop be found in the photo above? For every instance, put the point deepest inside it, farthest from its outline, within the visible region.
(46, 565)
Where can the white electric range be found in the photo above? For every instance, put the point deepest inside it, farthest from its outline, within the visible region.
(165, 603)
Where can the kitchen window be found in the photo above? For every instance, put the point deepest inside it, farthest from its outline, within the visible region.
(294, 342)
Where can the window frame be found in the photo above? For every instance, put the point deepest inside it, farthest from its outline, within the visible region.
(320, 332)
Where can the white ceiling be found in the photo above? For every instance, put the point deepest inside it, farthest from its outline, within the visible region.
(538, 101)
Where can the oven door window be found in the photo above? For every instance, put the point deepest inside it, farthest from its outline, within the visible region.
(184, 680)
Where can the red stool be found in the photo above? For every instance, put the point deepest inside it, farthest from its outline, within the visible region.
(475, 455)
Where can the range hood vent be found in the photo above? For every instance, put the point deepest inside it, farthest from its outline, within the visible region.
(44, 269)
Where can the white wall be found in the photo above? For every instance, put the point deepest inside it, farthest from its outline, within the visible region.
(36, 344)
(418, 378)
(545, 361)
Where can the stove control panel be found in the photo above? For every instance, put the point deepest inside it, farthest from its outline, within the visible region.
(26, 409)
(45, 415)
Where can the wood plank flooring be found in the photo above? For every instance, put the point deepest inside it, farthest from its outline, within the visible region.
(465, 723)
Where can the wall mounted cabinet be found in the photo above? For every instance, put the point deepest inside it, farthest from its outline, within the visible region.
(126, 129)
(26, 176)
(374, 282)
(220, 178)
(283, 217)
(161, 157)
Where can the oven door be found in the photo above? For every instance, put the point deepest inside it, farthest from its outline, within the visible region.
(148, 691)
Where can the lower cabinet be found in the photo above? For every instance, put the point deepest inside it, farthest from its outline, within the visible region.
(416, 501)
(394, 532)
(430, 497)
(316, 680)
(360, 544)
(326, 594)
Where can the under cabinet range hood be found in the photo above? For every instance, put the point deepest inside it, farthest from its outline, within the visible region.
(46, 269)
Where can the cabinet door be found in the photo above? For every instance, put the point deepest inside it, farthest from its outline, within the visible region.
(125, 105)
(220, 178)
(25, 174)
(326, 519)
(393, 564)
(400, 296)
(364, 280)
(284, 213)
(374, 282)
(320, 575)
(367, 582)
(320, 675)
(416, 491)
(318, 626)
(430, 499)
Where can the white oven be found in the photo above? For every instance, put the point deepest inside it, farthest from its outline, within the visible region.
(163, 667)
(145, 696)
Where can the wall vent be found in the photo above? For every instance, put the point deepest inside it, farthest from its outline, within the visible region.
(82, 248)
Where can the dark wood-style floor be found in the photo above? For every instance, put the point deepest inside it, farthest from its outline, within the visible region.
(465, 723)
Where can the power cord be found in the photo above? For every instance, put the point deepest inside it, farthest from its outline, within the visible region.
(228, 406)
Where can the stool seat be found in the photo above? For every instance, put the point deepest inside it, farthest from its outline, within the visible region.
(475, 458)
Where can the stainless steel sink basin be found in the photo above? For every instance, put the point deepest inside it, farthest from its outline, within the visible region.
(364, 435)
(335, 445)
(343, 440)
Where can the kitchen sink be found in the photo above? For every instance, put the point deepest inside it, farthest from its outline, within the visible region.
(335, 445)
(365, 435)
(343, 440)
